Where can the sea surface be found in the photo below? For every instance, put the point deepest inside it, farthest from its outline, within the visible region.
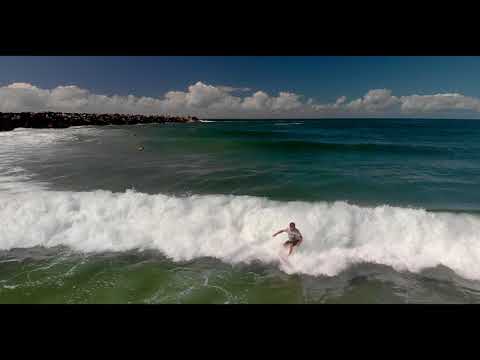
(184, 213)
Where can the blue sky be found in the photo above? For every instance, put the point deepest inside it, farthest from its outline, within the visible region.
(324, 79)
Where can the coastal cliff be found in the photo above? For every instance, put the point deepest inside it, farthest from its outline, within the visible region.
(41, 120)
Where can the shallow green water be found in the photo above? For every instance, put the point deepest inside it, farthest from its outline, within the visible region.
(60, 276)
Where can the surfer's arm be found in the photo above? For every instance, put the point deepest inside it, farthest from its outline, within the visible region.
(278, 232)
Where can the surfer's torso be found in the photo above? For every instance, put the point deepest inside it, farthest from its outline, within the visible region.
(293, 235)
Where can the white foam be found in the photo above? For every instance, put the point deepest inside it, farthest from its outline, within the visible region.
(20, 143)
(238, 229)
(288, 123)
(24, 138)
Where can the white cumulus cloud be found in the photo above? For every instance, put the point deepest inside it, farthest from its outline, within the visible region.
(206, 100)
(378, 100)
(439, 102)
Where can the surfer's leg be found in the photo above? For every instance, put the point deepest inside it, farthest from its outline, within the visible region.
(291, 248)
(292, 245)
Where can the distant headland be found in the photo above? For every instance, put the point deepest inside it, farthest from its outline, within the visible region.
(45, 120)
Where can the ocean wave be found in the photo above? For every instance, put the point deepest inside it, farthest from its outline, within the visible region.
(239, 229)
(302, 145)
(32, 138)
(16, 144)
(263, 140)
(17, 179)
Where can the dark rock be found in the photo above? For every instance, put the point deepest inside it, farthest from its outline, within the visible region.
(10, 121)
(6, 124)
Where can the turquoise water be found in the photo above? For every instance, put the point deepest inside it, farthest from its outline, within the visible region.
(431, 164)
(388, 207)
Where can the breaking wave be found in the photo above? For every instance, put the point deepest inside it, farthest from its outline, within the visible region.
(239, 229)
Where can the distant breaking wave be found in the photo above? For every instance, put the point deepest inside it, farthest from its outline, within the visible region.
(14, 178)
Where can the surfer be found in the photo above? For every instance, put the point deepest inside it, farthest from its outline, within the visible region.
(294, 236)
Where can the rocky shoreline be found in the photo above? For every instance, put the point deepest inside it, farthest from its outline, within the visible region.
(45, 120)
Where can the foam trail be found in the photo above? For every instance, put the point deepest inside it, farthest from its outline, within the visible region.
(238, 229)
